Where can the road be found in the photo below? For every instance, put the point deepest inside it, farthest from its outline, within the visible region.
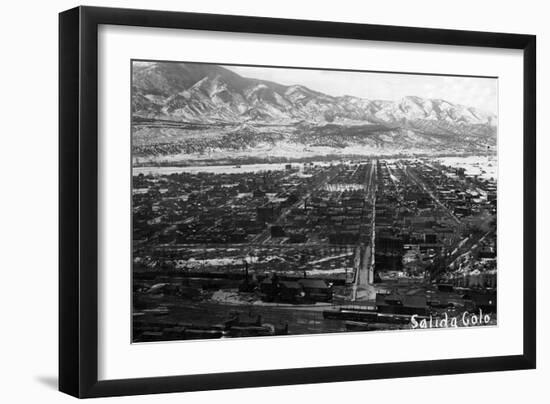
(362, 288)
(265, 236)
(472, 245)
(423, 186)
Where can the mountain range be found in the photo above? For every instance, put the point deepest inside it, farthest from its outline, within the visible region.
(206, 111)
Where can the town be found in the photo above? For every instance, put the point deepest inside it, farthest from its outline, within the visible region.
(315, 247)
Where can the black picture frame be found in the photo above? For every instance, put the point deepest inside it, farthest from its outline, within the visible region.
(78, 201)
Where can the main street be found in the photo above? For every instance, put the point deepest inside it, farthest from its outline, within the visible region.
(362, 288)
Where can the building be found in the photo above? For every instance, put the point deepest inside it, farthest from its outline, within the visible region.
(316, 290)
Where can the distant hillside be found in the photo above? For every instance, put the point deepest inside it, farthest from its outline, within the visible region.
(207, 111)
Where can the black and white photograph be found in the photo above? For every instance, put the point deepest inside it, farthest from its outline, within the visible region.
(275, 202)
(271, 201)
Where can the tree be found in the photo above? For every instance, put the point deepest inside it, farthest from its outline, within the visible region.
(329, 116)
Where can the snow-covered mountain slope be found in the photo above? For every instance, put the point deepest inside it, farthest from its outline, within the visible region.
(210, 93)
(250, 113)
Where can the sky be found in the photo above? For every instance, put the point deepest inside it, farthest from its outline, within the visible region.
(473, 92)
